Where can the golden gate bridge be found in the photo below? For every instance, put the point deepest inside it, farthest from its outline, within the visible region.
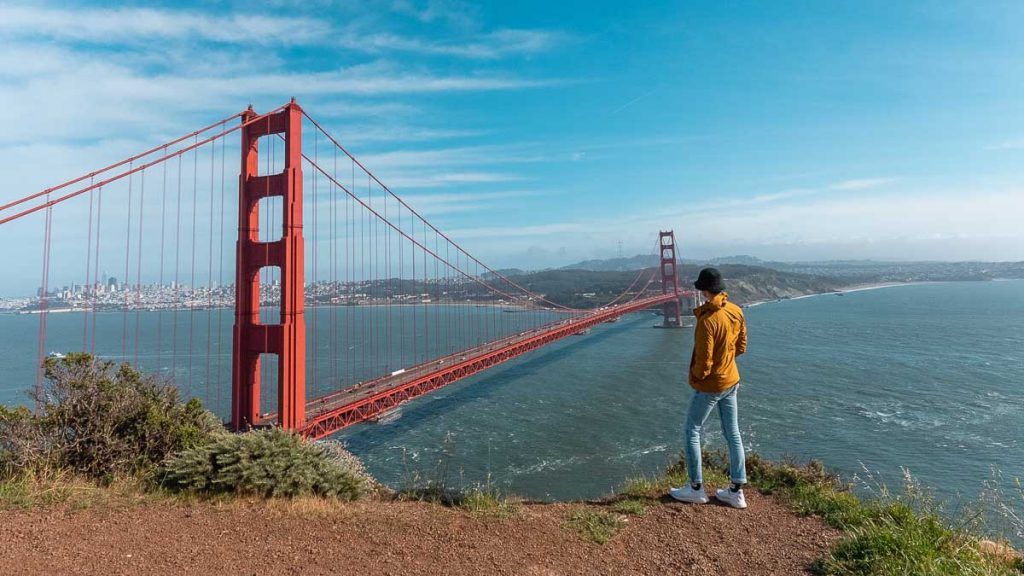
(347, 300)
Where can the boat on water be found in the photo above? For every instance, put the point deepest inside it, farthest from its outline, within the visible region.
(386, 417)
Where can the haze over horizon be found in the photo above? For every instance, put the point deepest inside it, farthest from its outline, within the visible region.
(538, 135)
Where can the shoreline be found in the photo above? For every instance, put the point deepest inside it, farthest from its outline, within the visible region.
(847, 290)
(203, 308)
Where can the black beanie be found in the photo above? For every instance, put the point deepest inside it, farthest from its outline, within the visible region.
(710, 279)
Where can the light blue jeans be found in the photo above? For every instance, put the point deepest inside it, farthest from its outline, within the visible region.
(701, 406)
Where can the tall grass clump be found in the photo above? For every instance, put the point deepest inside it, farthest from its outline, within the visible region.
(888, 534)
(1003, 506)
(485, 502)
(100, 421)
(595, 526)
(434, 484)
(269, 463)
(654, 487)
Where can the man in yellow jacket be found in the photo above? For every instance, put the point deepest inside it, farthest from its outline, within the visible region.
(719, 337)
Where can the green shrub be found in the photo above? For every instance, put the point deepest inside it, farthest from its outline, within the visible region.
(101, 421)
(269, 462)
(24, 447)
(771, 476)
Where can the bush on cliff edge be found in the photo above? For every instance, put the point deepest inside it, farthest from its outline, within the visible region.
(101, 421)
(269, 462)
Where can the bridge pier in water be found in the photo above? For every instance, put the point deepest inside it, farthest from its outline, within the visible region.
(287, 339)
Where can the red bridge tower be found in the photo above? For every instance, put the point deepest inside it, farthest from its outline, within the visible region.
(252, 338)
(669, 280)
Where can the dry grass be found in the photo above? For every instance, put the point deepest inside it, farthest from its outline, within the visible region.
(62, 488)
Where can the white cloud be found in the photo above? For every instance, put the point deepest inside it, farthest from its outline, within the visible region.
(975, 225)
(457, 156)
(790, 194)
(1015, 144)
(401, 179)
(396, 133)
(64, 94)
(489, 46)
(451, 203)
(530, 232)
(111, 25)
(776, 196)
(853, 220)
(461, 14)
(139, 26)
(861, 184)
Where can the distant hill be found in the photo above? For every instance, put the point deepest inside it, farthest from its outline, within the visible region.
(749, 279)
(744, 260)
(849, 271)
(644, 261)
(581, 288)
(615, 264)
(863, 271)
(506, 272)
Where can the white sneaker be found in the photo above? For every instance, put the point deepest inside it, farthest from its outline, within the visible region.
(688, 494)
(734, 499)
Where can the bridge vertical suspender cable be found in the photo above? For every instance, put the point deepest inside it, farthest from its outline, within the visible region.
(220, 274)
(88, 271)
(96, 266)
(127, 254)
(138, 266)
(43, 304)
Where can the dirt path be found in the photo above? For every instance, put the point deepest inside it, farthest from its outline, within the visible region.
(310, 537)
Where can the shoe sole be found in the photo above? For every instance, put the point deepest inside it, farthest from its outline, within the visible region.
(732, 504)
(705, 501)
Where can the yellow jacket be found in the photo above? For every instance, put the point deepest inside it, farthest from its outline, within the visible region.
(719, 337)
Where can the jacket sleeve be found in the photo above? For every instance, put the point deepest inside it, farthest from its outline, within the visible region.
(703, 351)
(741, 339)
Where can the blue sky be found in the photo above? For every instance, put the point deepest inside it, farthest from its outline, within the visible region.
(542, 133)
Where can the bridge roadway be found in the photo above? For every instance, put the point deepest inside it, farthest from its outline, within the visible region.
(365, 401)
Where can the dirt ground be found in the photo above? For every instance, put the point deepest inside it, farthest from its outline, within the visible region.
(315, 537)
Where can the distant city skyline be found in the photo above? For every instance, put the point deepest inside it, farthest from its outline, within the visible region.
(542, 134)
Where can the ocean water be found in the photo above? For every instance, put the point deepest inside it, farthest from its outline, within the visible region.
(928, 378)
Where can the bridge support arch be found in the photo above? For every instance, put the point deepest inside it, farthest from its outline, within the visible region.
(251, 337)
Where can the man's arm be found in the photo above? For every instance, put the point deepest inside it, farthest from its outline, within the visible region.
(741, 340)
(703, 349)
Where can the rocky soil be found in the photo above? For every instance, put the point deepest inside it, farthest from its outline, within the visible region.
(407, 538)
